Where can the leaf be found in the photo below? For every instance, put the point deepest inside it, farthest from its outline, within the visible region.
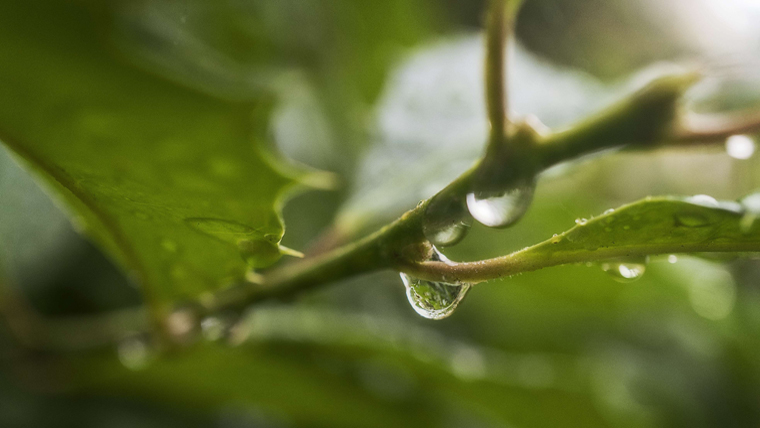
(150, 119)
(138, 157)
(657, 226)
(662, 225)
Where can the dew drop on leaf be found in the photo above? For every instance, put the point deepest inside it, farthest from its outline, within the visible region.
(581, 221)
(503, 209)
(626, 270)
(672, 259)
(446, 222)
(692, 219)
(704, 200)
(433, 300)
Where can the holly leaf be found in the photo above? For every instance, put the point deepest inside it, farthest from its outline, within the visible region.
(177, 184)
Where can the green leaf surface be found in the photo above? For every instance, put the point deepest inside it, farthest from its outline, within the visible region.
(150, 119)
(152, 169)
(657, 226)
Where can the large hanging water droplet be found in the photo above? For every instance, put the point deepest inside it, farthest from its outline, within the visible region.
(503, 209)
(434, 300)
(626, 270)
(446, 221)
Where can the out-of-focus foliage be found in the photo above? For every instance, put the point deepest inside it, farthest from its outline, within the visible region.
(566, 346)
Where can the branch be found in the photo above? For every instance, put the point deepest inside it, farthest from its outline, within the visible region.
(709, 128)
(496, 96)
(644, 120)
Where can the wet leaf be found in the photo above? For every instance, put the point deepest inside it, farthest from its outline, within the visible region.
(150, 120)
(659, 225)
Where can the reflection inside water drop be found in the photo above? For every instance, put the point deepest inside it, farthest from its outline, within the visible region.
(446, 222)
(626, 270)
(503, 209)
(433, 300)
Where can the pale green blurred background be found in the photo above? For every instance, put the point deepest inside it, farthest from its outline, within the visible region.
(399, 117)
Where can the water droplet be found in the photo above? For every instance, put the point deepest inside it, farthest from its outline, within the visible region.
(692, 219)
(135, 352)
(752, 203)
(581, 221)
(672, 259)
(434, 300)
(501, 210)
(446, 221)
(218, 327)
(626, 270)
(556, 239)
(704, 200)
(609, 211)
(740, 146)
(182, 324)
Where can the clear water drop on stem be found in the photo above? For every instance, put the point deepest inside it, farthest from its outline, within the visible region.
(431, 299)
(446, 221)
(626, 270)
(502, 209)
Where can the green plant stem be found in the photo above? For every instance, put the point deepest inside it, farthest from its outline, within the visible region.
(644, 120)
(495, 76)
(528, 260)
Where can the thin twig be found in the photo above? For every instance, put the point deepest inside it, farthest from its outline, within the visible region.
(495, 76)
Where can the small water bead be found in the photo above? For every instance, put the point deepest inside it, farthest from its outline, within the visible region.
(704, 200)
(740, 146)
(446, 222)
(218, 327)
(690, 219)
(135, 352)
(503, 209)
(434, 300)
(626, 270)
(182, 324)
(701, 218)
(581, 221)
(672, 259)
